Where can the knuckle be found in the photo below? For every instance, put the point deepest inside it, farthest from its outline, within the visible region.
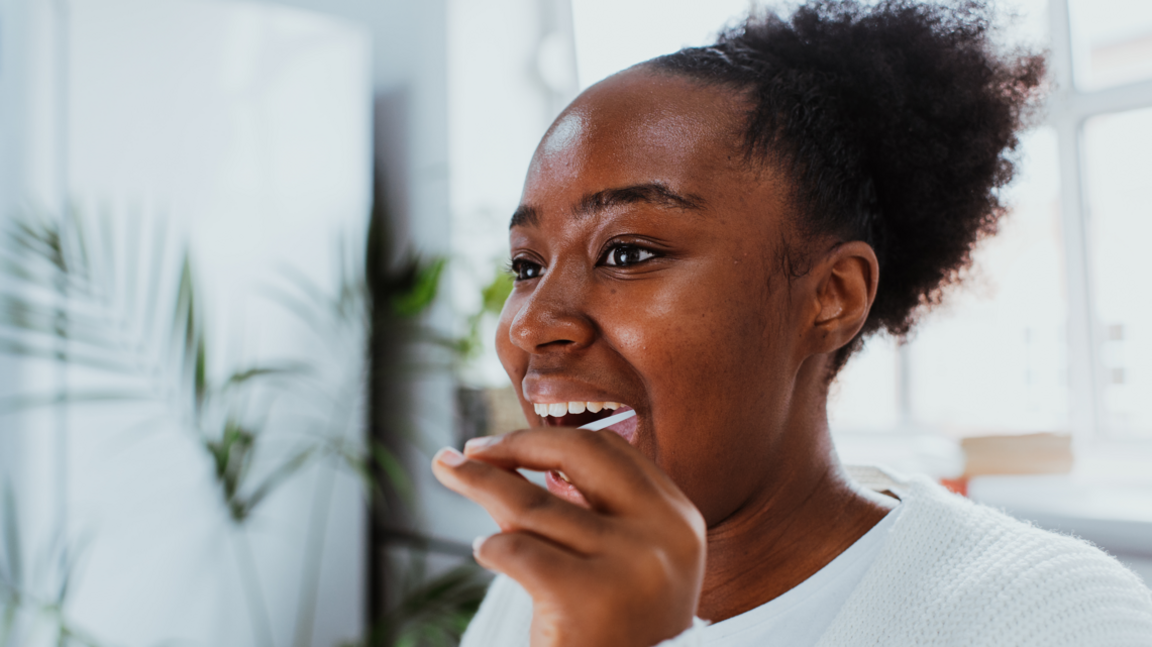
(589, 439)
(654, 569)
(512, 438)
(535, 502)
(692, 537)
(505, 543)
(476, 472)
(696, 524)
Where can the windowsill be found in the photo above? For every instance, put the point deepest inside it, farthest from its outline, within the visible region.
(1113, 514)
(1107, 499)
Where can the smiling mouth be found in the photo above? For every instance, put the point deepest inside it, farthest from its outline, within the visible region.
(578, 414)
(574, 414)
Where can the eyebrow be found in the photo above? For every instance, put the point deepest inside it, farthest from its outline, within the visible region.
(653, 193)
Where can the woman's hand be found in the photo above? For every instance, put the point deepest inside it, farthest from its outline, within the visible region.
(625, 572)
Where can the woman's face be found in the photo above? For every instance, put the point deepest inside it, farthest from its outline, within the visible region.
(649, 275)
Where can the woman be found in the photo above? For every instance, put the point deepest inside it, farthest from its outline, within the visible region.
(705, 239)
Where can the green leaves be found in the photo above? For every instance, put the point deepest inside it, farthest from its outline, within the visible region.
(66, 299)
(232, 456)
(492, 301)
(71, 302)
(12, 565)
(497, 292)
(121, 301)
(416, 295)
(431, 612)
(34, 587)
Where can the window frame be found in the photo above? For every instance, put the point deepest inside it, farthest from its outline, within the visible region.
(1067, 111)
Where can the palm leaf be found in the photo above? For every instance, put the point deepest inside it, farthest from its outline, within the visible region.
(422, 291)
(432, 612)
(13, 552)
(278, 476)
(22, 402)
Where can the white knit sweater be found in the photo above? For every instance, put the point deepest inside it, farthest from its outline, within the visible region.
(951, 573)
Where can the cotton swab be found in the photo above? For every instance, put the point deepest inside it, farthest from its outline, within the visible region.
(597, 425)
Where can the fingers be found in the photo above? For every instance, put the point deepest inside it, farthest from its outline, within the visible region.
(536, 563)
(611, 474)
(518, 505)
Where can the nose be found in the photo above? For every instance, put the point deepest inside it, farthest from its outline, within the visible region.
(552, 318)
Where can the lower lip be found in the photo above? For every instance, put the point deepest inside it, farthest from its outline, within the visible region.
(564, 489)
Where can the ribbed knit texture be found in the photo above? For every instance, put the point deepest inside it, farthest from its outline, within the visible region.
(952, 573)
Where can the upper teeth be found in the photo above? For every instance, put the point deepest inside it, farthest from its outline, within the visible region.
(557, 409)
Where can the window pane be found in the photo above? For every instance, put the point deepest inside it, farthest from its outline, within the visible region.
(993, 357)
(608, 38)
(1111, 41)
(1118, 156)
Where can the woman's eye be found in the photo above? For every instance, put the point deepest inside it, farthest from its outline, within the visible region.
(525, 270)
(625, 255)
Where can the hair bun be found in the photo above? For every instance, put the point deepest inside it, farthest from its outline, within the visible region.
(896, 120)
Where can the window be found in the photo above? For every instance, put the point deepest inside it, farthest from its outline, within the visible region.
(1049, 333)
(1118, 211)
(1111, 42)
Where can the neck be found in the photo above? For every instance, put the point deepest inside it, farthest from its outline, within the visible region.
(804, 514)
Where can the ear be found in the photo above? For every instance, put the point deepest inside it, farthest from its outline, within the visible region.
(846, 281)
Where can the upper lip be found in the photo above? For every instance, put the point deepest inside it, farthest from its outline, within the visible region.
(544, 391)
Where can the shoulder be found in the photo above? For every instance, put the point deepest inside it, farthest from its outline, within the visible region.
(956, 572)
(504, 617)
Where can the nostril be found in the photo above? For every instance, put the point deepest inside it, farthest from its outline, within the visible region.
(547, 322)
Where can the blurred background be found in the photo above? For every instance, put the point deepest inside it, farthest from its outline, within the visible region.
(250, 263)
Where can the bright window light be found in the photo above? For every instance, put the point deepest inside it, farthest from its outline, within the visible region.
(1112, 42)
(612, 35)
(1118, 157)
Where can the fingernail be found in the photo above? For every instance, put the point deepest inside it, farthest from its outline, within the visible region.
(450, 457)
(477, 543)
(482, 442)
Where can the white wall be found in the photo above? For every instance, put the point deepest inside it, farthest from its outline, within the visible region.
(31, 173)
(249, 128)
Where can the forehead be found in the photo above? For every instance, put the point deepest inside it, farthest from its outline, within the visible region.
(640, 127)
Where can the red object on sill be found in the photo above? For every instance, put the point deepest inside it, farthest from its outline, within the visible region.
(957, 485)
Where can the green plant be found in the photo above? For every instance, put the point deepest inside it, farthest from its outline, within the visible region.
(430, 611)
(34, 588)
(406, 606)
(492, 298)
(69, 301)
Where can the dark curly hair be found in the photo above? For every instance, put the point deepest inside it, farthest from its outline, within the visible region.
(896, 122)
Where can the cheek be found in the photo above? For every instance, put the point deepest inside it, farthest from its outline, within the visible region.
(703, 333)
(713, 354)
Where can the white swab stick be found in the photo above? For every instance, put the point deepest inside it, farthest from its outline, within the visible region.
(597, 425)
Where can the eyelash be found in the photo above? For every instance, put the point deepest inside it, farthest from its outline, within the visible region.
(615, 249)
(520, 268)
